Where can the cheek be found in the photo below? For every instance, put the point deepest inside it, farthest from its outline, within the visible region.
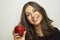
(29, 18)
(39, 15)
(40, 18)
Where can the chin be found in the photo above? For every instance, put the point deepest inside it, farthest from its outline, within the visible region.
(36, 23)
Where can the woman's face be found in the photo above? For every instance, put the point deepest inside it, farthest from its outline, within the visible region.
(33, 15)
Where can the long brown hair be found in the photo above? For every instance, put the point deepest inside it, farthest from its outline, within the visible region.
(47, 27)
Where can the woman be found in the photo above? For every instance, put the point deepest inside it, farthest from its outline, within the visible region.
(37, 24)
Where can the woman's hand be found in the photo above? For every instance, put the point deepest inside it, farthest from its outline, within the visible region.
(18, 37)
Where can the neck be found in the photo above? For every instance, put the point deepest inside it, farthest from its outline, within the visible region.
(39, 30)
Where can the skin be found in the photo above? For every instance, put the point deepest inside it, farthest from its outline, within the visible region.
(17, 37)
(33, 15)
(34, 18)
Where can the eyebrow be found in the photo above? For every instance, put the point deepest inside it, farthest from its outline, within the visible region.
(33, 9)
(26, 12)
(29, 12)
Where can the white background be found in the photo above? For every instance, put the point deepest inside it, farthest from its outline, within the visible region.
(10, 11)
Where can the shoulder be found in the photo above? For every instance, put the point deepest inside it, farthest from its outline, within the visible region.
(57, 34)
(57, 31)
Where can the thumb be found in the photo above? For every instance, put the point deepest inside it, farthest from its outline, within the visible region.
(24, 33)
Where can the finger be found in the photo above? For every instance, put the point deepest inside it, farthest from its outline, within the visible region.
(13, 32)
(16, 34)
(16, 37)
(24, 33)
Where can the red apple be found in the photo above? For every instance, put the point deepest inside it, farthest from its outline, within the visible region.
(19, 29)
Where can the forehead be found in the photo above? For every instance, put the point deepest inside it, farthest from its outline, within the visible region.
(29, 8)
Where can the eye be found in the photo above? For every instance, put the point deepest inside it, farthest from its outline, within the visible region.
(28, 14)
(34, 10)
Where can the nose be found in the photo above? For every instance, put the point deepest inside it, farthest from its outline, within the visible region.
(33, 15)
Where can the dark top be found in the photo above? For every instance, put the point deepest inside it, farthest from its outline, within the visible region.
(56, 36)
